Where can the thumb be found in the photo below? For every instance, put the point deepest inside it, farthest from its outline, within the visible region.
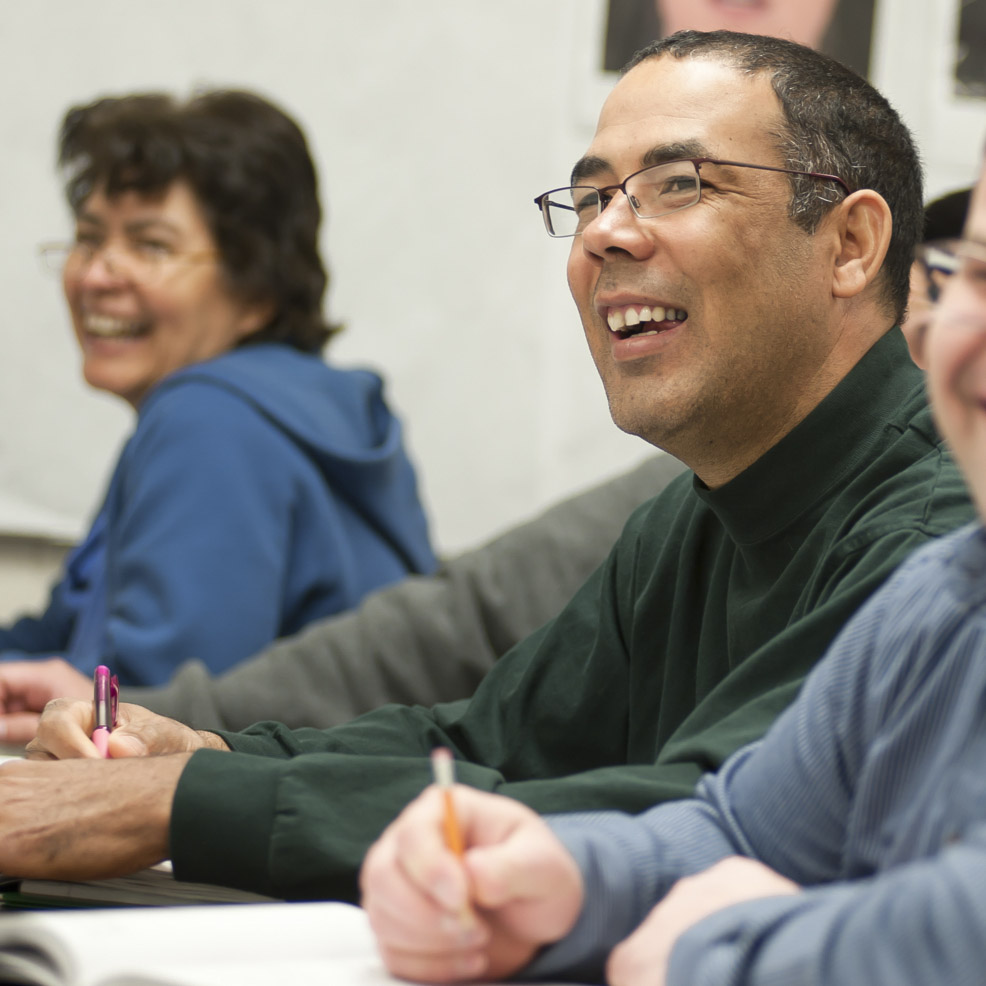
(532, 880)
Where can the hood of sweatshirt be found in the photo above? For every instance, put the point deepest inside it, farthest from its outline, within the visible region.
(340, 419)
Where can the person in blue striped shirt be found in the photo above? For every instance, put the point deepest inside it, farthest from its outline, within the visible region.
(846, 847)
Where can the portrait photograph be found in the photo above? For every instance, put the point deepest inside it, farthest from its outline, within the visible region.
(840, 28)
(970, 60)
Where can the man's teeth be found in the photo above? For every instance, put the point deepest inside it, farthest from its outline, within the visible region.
(110, 327)
(631, 317)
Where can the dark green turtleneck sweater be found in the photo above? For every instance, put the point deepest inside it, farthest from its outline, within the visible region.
(685, 644)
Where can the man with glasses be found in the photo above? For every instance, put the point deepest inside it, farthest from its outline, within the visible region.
(847, 847)
(737, 292)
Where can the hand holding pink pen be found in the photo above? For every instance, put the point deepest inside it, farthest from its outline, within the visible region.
(106, 696)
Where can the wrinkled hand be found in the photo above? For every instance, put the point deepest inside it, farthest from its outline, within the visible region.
(83, 819)
(66, 726)
(26, 687)
(643, 957)
(443, 919)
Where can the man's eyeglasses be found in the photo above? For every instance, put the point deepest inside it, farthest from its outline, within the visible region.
(144, 262)
(652, 192)
(941, 259)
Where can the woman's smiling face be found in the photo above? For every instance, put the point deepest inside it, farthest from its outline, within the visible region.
(147, 292)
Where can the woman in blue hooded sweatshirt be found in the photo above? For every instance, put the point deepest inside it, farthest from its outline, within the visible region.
(261, 488)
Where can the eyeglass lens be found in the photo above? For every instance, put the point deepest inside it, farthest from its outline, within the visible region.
(652, 192)
(57, 256)
(142, 261)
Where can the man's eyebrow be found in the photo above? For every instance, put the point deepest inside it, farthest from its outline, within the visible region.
(591, 166)
(674, 152)
(588, 167)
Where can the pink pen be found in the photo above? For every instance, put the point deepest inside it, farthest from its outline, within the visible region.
(105, 696)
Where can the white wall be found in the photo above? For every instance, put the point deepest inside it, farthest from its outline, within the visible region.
(463, 110)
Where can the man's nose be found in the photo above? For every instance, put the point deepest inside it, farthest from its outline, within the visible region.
(617, 227)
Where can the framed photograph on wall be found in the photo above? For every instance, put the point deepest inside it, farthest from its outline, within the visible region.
(970, 51)
(841, 28)
(612, 30)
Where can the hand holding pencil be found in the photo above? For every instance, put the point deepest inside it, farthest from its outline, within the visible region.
(448, 911)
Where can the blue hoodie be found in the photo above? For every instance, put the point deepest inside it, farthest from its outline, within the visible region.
(260, 490)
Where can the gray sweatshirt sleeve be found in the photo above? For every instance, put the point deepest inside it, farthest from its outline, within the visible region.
(426, 639)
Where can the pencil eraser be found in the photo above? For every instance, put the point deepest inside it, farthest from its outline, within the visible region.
(443, 766)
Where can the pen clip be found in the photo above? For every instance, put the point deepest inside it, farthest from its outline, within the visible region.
(114, 699)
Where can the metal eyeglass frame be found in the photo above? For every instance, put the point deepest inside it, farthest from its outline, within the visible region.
(697, 162)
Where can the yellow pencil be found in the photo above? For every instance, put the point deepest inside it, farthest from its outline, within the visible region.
(443, 769)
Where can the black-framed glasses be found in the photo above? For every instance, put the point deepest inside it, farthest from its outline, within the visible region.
(652, 192)
(941, 259)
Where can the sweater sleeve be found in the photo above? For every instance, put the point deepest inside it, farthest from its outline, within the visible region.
(427, 639)
(550, 725)
(312, 816)
(196, 559)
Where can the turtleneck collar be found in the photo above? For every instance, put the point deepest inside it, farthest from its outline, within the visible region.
(820, 453)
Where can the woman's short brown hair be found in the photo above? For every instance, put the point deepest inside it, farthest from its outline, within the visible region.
(249, 166)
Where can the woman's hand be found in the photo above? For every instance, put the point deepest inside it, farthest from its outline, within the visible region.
(26, 687)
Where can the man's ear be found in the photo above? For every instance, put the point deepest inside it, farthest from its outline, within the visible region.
(863, 225)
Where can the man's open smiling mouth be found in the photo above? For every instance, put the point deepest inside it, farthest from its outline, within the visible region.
(626, 321)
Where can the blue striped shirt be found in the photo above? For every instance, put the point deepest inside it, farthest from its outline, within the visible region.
(870, 792)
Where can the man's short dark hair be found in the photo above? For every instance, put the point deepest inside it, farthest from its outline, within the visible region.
(836, 123)
(250, 169)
